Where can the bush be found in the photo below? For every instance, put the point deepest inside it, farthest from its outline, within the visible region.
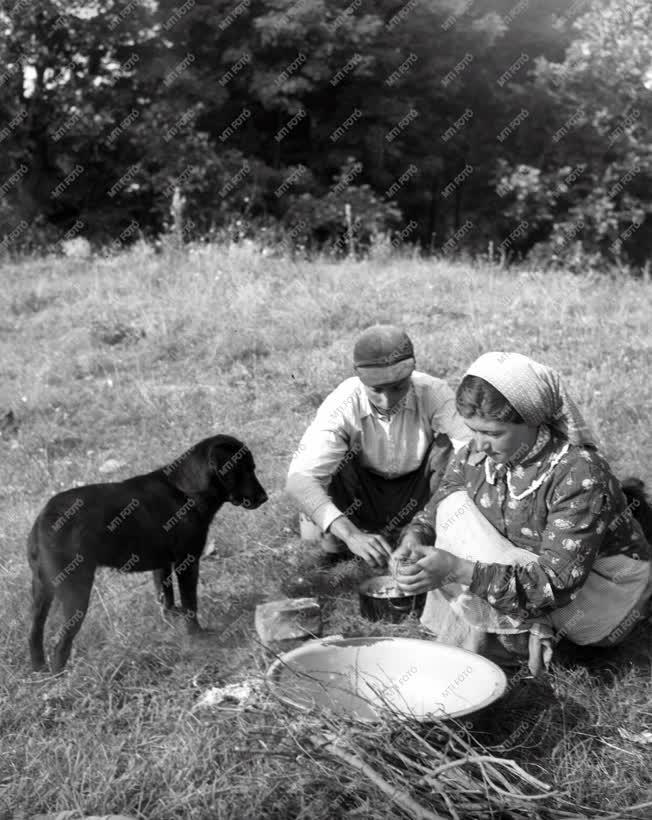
(348, 217)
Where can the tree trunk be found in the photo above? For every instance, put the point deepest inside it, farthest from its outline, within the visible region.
(433, 213)
(458, 207)
(276, 160)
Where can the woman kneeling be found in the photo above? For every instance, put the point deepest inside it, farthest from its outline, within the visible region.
(535, 540)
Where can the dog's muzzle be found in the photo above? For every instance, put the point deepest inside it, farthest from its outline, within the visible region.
(248, 503)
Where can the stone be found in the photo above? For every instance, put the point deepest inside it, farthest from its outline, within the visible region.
(288, 619)
(111, 465)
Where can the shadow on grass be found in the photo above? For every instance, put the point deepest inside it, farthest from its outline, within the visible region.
(527, 722)
(607, 663)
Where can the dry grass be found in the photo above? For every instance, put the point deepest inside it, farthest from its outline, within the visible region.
(135, 358)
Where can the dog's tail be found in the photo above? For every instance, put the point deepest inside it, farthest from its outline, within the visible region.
(634, 489)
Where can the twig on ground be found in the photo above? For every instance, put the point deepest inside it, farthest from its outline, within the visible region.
(621, 815)
(400, 798)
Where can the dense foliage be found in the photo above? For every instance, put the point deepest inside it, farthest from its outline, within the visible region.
(507, 124)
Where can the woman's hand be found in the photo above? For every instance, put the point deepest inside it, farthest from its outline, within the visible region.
(435, 569)
(431, 571)
(409, 551)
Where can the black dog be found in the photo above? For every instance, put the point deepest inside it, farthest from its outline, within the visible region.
(157, 521)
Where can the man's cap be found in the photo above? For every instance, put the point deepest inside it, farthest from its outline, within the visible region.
(383, 354)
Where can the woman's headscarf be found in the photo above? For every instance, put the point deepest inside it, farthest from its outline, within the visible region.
(536, 392)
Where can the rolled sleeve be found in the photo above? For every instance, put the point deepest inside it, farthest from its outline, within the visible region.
(320, 452)
(313, 500)
(575, 529)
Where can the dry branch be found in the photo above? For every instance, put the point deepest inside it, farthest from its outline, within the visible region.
(400, 798)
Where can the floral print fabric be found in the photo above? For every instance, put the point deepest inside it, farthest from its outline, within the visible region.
(576, 513)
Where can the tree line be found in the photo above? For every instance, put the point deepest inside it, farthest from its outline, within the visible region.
(514, 127)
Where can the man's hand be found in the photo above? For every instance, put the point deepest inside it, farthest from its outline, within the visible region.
(372, 547)
(436, 569)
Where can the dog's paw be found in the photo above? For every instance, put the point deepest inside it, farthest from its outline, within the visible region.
(173, 611)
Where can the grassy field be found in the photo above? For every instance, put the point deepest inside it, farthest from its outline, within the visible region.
(136, 357)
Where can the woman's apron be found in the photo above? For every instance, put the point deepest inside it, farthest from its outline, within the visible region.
(603, 611)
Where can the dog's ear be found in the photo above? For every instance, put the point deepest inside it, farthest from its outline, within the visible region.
(223, 464)
(208, 467)
(191, 472)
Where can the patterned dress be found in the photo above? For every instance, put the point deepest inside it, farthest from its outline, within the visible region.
(576, 514)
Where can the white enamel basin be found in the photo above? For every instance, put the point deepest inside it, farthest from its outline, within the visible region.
(364, 677)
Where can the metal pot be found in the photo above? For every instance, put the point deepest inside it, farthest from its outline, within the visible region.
(381, 600)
